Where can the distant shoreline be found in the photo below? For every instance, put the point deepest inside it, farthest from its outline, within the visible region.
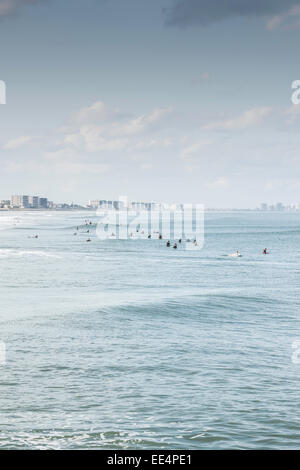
(46, 210)
(93, 209)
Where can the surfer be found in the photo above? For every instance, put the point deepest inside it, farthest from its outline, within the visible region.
(265, 252)
(175, 246)
(168, 243)
(89, 240)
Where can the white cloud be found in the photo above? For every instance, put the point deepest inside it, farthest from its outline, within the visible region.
(67, 160)
(274, 22)
(277, 183)
(287, 20)
(194, 150)
(17, 143)
(94, 139)
(219, 183)
(114, 132)
(151, 144)
(97, 111)
(247, 119)
(81, 167)
(293, 111)
(141, 123)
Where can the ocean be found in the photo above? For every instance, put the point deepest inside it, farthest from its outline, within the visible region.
(128, 344)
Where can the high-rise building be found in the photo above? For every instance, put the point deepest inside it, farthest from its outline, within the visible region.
(20, 201)
(26, 202)
(94, 204)
(279, 206)
(33, 201)
(43, 203)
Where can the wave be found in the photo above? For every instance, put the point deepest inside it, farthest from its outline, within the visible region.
(13, 253)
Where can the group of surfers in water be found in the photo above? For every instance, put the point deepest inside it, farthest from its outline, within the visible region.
(168, 244)
(175, 246)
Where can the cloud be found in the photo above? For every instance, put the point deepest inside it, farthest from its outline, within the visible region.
(96, 112)
(287, 20)
(288, 183)
(95, 140)
(219, 183)
(141, 123)
(195, 150)
(184, 13)
(67, 160)
(247, 119)
(17, 143)
(7, 7)
(97, 128)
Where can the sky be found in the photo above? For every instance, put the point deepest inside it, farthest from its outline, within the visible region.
(168, 100)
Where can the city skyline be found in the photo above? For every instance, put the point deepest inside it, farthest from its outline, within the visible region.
(166, 100)
(37, 202)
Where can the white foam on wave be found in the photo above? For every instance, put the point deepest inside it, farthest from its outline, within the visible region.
(8, 253)
(26, 219)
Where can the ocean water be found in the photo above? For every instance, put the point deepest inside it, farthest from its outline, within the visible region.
(131, 345)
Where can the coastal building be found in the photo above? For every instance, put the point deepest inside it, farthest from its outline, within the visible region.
(94, 203)
(4, 204)
(121, 204)
(29, 202)
(43, 203)
(20, 201)
(279, 206)
(33, 201)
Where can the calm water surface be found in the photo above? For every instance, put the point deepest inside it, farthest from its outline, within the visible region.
(129, 344)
